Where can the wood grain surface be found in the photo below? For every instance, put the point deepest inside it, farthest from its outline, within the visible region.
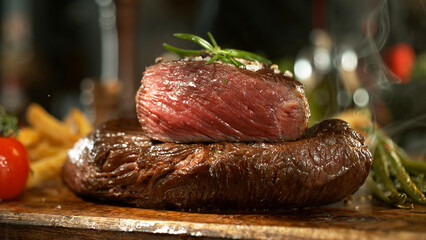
(53, 212)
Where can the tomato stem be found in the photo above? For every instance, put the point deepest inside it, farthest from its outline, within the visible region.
(8, 124)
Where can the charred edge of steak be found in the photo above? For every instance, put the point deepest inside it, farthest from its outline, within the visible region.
(118, 162)
(188, 101)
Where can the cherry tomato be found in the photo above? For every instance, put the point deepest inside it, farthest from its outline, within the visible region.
(400, 60)
(14, 167)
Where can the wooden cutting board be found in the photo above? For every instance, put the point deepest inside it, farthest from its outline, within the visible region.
(53, 212)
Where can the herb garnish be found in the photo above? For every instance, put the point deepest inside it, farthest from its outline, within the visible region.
(8, 124)
(225, 55)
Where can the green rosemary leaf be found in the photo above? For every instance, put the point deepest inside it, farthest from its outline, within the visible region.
(247, 55)
(236, 62)
(231, 61)
(213, 40)
(196, 39)
(214, 58)
(182, 52)
(214, 50)
(225, 59)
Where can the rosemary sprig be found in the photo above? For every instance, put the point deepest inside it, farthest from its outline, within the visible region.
(215, 51)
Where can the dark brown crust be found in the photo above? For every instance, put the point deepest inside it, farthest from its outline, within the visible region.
(117, 162)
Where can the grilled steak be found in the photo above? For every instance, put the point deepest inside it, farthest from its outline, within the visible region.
(119, 162)
(188, 101)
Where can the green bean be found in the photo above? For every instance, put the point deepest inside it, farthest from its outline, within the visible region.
(390, 162)
(382, 175)
(380, 195)
(419, 181)
(413, 166)
(404, 178)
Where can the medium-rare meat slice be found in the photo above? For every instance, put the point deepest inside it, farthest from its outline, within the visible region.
(189, 101)
(119, 162)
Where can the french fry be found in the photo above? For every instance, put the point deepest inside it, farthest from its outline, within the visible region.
(44, 149)
(49, 126)
(46, 169)
(28, 137)
(48, 140)
(71, 123)
(357, 120)
(78, 122)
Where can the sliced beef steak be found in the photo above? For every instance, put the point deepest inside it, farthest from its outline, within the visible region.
(188, 101)
(119, 162)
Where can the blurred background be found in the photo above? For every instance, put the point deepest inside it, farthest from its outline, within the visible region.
(91, 54)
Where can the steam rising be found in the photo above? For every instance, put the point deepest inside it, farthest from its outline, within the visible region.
(347, 55)
(376, 31)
